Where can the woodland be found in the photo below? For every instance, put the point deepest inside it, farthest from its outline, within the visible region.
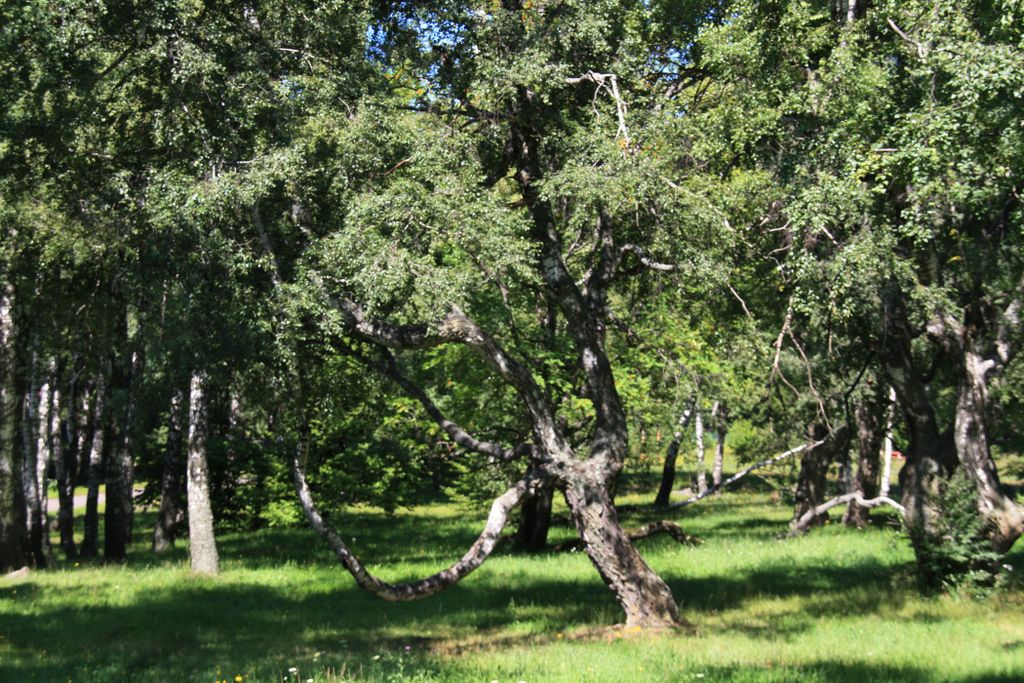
(689, 324)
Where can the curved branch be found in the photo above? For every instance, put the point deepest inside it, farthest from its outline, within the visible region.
(395, 592)
(457, 433)
(641, 255)
(744, 472)
(857, 497)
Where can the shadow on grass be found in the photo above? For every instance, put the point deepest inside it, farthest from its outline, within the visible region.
(195, 625)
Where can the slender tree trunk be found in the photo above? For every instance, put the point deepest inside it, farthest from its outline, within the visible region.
(202, 545)
(811, 481)
(12, 524)
(90, 542)
(702, 475)
(35, 430)
(64, 443)
(642, 594)
(170, 515)
(668, 471)
(120, 470)
(721, 420)
(869, 416)
(532, 534)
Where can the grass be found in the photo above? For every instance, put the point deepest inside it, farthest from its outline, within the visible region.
(837, 605)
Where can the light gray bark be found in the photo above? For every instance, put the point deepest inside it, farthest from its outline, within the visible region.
(202, 546)
(720, 417)
(702, 475)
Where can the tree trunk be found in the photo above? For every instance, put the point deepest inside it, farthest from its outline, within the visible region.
(90, 542)
(869, 416)
(720, 415)
(171, 514)
(668, 471)
(642, 594)
(202, 545)
(970, 434)
(811, 482)
(35, 426)
(702, 475)
(532, 534)
(120, 470)
(12, 523)
(64, 438)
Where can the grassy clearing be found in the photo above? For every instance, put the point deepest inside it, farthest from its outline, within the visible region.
(837, 605)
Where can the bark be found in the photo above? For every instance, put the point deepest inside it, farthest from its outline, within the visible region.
(12, 526)
(643, 595)
(202, 546)
(120, 470)
(653, 529)
(535, 521)
(170, 514)
(64, 439)
(869, 416)
(811, 481)
(90, 541)
(668, 470)
(702, 475)
(807, 520)
(720, 416)
(34, 425)
(970, 434)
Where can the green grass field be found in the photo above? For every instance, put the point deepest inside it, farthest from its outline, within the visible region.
(838, 605)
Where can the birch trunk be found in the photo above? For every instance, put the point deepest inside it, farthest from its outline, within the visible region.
(12, 525)
(668, 471)
(170, 515)
(90, 542)
(702, 475)
(721, 420)
(202, 545)
(64, 439)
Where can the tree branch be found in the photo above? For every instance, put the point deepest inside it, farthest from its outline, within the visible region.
(805, 521)
(394, 592)
(744, 472)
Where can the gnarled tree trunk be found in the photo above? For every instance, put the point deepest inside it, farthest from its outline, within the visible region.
(643, 595)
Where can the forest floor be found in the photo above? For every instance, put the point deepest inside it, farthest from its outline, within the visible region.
(836, 605)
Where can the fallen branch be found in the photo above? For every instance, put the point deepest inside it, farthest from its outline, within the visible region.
(744, 472)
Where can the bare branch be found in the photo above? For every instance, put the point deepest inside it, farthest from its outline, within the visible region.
(805, 521)
(454, 431)
(650, 263)
(922, 52)
(744, 472)
(611, 84)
